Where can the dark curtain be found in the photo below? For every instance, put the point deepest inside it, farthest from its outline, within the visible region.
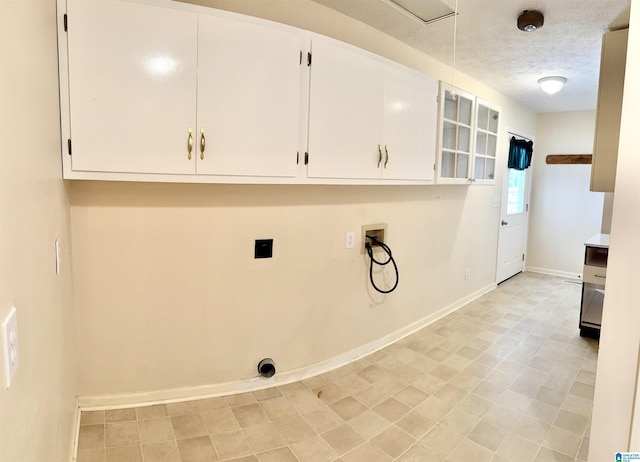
(520, 153)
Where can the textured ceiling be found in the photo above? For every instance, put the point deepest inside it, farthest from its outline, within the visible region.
(490, 48)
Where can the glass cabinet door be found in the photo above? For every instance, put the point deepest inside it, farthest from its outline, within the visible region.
(486, 140)
(456, 139)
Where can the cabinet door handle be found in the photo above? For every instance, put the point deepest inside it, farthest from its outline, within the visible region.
(387, 153)
(601, 277)
(379, 156)
(203, 143)
(190, 144)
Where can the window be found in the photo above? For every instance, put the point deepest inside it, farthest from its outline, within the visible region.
(515, 194)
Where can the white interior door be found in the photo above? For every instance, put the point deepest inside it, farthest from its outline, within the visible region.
(514, 220)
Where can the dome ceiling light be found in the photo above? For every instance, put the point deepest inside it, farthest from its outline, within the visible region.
(552, 85)
(530, 21)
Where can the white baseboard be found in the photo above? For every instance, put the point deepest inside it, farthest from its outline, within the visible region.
(552, 272)
(116, 401)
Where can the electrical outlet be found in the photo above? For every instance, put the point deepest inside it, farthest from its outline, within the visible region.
(11, 353)
(350, 240)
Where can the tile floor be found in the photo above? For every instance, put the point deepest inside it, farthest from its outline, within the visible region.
(505, 378)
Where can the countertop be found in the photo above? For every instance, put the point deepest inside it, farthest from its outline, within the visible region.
(599, 240)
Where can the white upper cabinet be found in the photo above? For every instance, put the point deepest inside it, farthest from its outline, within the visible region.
(132, 87)
(154, 90)
(345, 113)
(248, 98)
(486, 142)
(410, 125)
(468, 138)
(163, 91)
(369, 119)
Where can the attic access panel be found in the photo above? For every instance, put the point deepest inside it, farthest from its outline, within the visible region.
(426, 11)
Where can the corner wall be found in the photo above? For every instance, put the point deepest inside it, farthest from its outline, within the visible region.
(617, 374)
(564, 213)
(38, 411)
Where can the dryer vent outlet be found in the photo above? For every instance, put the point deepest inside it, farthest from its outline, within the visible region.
(267, 368)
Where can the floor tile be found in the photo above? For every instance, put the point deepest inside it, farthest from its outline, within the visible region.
(249, 415)
(392, 409)
(124, 454)
(197, 449)
(219, 421)
(181, 408)
(161, 452)
(343, 439)
(92, 418)
(369, 424)
(155, 430)
(118, 415)
(91, 437)
(150, 412)
(348, 408)
(91, 455)
(263, 437)
(322, 420)
(470, 450)
(415, 424)
(366, 453)
(313, 449)
(294, 429)
(121, 433)
(393, 441)
(562, 441)
(188, 426)
(277, 408)
(487, 435)
(277, 455)
(231, 445)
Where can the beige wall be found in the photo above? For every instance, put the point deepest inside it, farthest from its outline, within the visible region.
(37, 412)
(618, 358)
(564, 213)
(167, 293)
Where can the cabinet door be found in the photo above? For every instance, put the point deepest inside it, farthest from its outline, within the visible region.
(345, 113)
(248, 98)
(132, 83)
(486, 141)
(410, 125)
(455, 142)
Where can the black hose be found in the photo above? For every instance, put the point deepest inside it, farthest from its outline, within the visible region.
(373, 260)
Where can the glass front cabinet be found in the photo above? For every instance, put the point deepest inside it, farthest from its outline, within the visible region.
(468, 138)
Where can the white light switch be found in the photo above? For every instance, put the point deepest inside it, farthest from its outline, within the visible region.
(10, 350)
(350, 240)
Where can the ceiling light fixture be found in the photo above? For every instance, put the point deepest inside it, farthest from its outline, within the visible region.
(552, 85)
(530, 21)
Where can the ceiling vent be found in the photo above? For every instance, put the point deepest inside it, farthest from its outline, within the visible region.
(424, 11)
(530, 21)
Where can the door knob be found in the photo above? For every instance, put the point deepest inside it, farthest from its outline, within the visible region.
(505, 223)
